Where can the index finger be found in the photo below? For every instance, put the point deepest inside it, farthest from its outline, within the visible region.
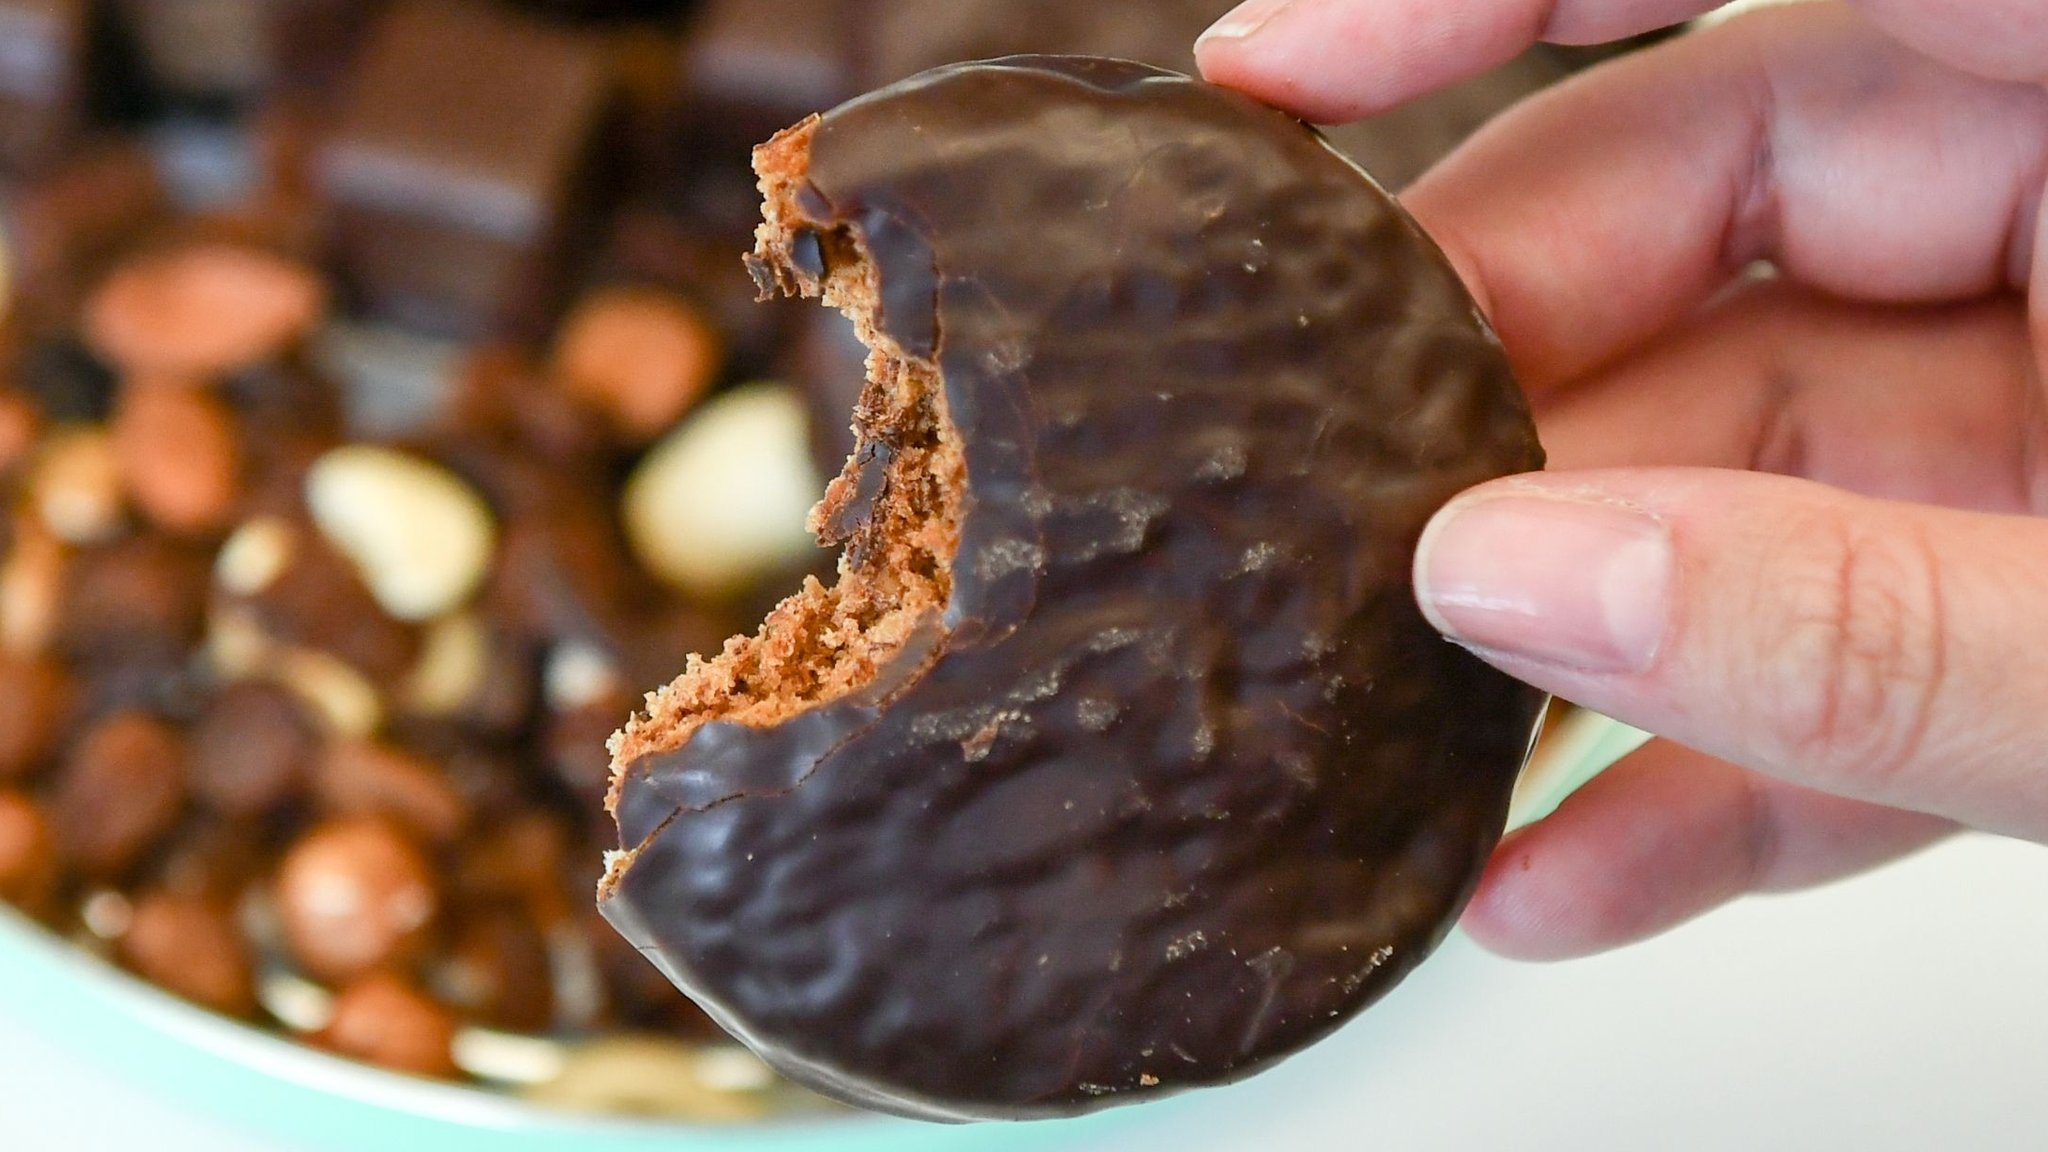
(1333, 61)
(1597, 214)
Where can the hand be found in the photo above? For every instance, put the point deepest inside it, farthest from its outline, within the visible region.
(1849, 657)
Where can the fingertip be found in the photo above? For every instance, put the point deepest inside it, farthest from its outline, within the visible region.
(1510, 914)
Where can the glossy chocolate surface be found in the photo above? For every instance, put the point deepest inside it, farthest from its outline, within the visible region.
(1181, 779)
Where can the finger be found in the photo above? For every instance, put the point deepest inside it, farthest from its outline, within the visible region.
(1887, 652)
(2004, 39)
(1334, 61)
(1935, 405)
(1331, 61)
(1664, 835)
(1601, 212)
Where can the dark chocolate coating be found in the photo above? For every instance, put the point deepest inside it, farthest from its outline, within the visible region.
(1182, 779)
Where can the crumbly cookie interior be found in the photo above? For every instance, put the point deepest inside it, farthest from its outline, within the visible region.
(827, 641)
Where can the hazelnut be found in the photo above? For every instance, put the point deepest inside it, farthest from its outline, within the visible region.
(419, 537)
(202, 309)
(252, 749)
(122, 789)
(76, 486)
(723, 500)
(190, 946)
(359, 778)
(177, 451)
(384, 1020)
(638, 355)
(354, 895)
(28, 855)
(35, 699)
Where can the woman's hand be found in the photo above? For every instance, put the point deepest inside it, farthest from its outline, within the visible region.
(1850, 656)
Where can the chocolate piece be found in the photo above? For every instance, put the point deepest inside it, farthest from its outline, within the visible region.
(252, 749)
(216, 51)
(365, 779)
(121, 791)
(63, 226)
(498, 971)
(136, 601)
(43, 47)
(752, 66)
(463, 161)
(1119, 760)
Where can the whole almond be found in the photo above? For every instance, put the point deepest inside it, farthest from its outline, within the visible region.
(178, 455)
(202, 309)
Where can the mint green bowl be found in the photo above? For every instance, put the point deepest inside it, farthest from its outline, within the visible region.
(263, 1082)
(267, 1084)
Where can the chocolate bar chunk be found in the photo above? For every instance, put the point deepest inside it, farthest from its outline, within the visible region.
(752, 66)
(230, 50)
(465, 165)
(42, 78)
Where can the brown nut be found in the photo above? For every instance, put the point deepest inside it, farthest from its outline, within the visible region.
(384, 1020)
(35, 699)
(252, 749)
(354, 895)
(136, 598)
(638, 355)
(190, 946)
(202, 309)
(361, 778)
(498, 972)
(178, 455)
(122, 789)
(28, 854)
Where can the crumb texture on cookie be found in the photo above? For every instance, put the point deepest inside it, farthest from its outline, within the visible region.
(895, 508)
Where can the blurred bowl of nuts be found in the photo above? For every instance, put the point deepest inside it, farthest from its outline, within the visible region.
(384, 406)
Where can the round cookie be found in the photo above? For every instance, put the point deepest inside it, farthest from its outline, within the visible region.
(1119, 759)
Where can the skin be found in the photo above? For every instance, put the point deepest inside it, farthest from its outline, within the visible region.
(1794, 520)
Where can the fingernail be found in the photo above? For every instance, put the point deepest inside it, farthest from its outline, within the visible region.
(1577, 582)
(1243, 20)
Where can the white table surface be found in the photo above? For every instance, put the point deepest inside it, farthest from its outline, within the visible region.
(1904, 1010)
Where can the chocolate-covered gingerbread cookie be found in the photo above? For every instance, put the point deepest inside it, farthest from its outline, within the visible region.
(1118, 759)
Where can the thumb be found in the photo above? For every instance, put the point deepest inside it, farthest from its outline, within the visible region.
(1887, 652)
